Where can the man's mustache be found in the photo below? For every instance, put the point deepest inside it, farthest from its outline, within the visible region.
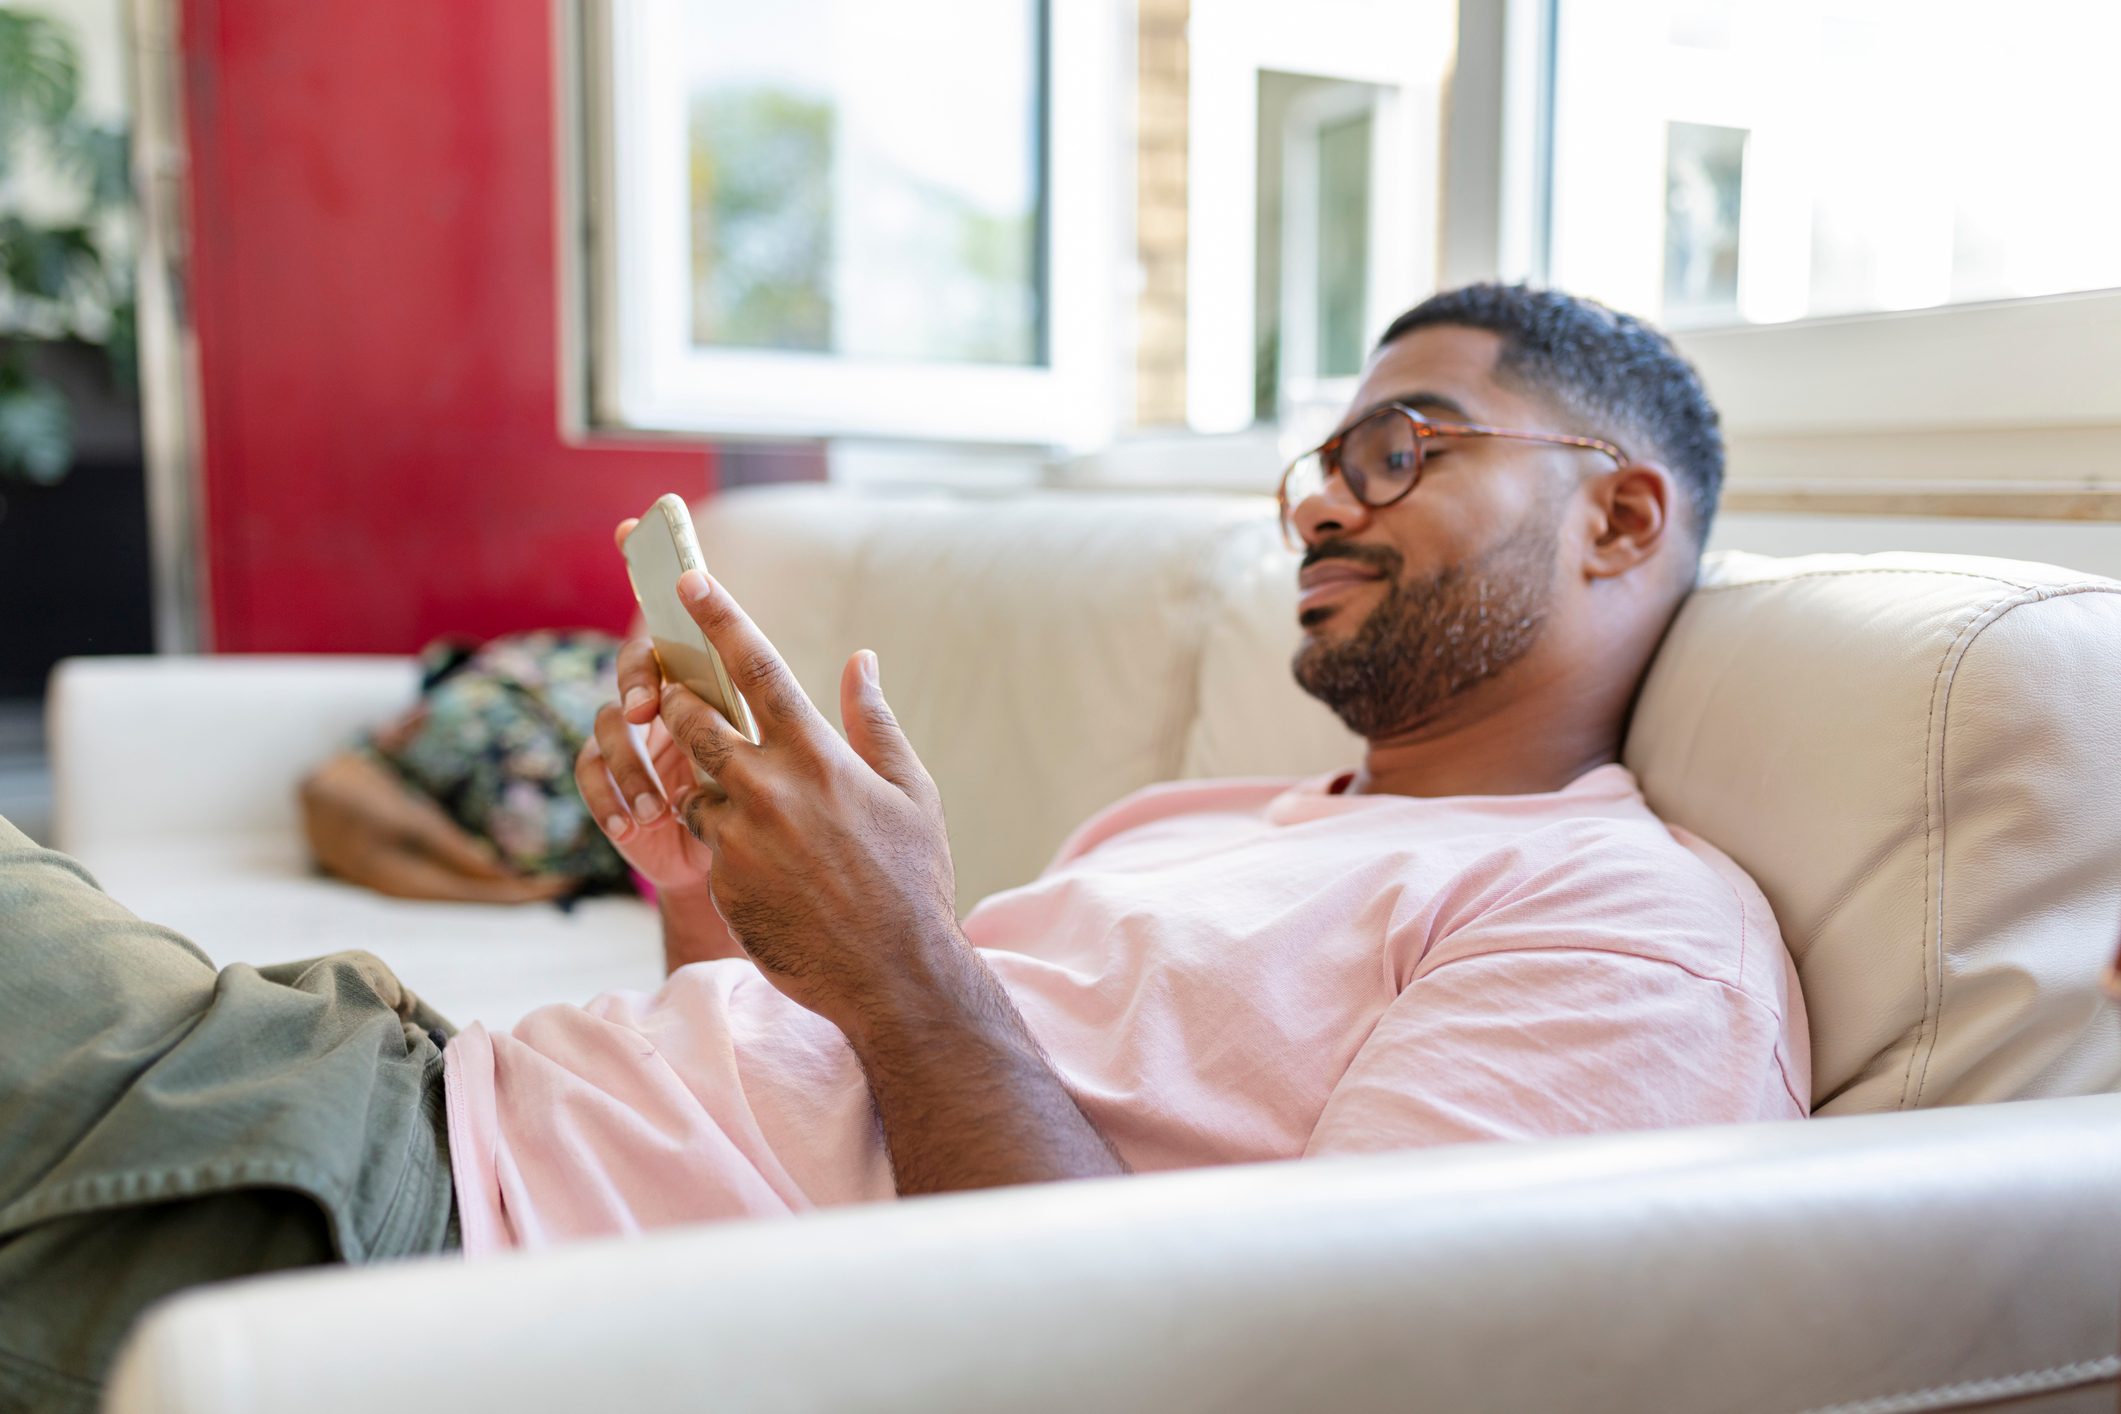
(1382, 558)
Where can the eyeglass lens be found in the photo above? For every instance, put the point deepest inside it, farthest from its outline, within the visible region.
(1378, 460)
(1380, 456)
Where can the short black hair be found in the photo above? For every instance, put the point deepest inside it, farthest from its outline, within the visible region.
(1612, 369)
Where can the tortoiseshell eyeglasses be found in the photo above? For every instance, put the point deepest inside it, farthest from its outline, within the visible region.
(1379, 458)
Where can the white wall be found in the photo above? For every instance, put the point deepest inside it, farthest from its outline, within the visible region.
(2094, 547)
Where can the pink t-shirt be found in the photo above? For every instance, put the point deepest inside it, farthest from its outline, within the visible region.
(1222, 972)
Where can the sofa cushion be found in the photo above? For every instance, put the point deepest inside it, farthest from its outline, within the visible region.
(253, 897)
(1919, 759)
(174, 748)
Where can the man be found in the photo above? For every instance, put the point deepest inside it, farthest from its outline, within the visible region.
(1479, 931)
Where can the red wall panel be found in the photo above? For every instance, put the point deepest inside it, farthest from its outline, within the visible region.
(375, 293)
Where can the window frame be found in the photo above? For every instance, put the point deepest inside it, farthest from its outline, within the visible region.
(1302, 128)
(1403, 49)
(645, 376)
(2008, 408)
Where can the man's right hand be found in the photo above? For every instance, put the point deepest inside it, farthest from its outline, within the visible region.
(640, 807)
(638, 803)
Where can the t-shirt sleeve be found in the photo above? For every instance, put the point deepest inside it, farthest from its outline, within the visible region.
(1527, 1045)
(1536, 1024)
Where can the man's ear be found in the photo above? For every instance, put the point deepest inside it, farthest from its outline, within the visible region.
(1633, 507)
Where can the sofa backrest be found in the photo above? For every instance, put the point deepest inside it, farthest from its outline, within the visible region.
(1818, 719)
(1919, 759)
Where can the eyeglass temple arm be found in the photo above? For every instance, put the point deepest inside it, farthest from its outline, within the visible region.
(1563, 439)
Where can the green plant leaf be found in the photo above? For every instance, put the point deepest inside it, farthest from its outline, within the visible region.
(53, 276)
(36, 432)
(40, 72)
(48, 262)
(100, 156)
(121, 344)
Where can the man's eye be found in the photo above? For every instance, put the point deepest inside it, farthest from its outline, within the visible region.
(1402, 461)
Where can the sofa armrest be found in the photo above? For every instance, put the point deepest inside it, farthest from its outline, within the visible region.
(153, 748)
(1959, 1255)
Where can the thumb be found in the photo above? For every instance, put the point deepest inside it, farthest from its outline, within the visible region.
(873, 730)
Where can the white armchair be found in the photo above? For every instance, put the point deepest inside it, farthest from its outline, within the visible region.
(1914, 756)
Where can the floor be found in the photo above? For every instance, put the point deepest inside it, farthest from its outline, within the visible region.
(25, 776)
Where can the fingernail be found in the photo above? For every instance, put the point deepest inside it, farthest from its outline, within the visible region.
(869, 666)
(669, 691)
(638, 697)
(693, 585)
(647, 805)
(616, 826)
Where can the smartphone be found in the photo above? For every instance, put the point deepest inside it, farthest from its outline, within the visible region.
(658, 550)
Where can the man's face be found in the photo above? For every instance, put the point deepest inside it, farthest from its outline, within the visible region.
(1407, 608)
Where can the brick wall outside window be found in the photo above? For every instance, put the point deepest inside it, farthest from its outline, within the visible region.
(1160, 197)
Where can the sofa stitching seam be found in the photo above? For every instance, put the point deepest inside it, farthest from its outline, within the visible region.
(1932, 941)
(2041, 1381)
(1781, 580)
(1936, 814)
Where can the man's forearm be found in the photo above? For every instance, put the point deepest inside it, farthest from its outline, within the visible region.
(967, 1098)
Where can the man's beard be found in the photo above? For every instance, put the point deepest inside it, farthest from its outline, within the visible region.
(1427, 643)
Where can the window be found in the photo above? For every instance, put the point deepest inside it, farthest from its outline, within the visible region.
(1723, 161)
(834, 218)
(1880, 227)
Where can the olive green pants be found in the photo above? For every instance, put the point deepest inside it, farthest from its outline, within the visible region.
(163, 1124)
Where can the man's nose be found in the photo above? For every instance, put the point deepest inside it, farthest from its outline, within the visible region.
(1330, 511)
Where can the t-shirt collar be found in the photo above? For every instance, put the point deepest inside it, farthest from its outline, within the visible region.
(1318, 796)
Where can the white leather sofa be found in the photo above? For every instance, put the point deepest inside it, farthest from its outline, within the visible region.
(1919, 758)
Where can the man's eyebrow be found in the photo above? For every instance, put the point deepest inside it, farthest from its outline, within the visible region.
(1438, 403)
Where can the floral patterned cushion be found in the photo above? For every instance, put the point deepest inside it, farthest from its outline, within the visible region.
(493, 742)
